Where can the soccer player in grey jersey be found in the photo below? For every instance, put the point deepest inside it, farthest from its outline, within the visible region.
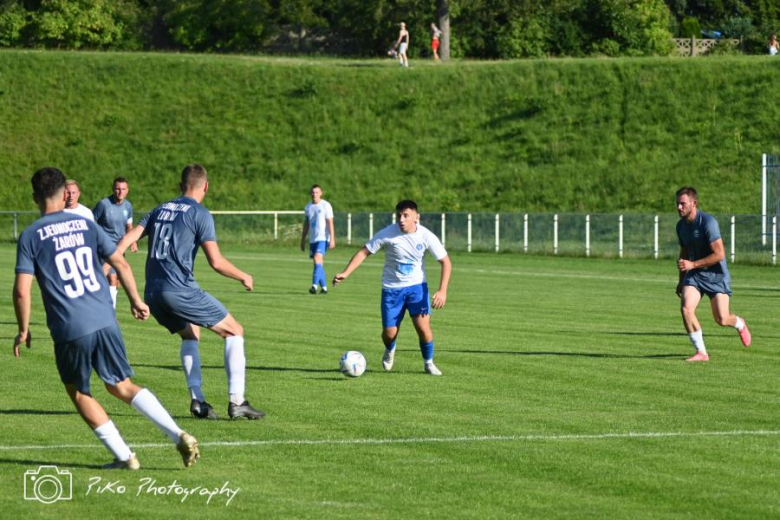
(115, 215)
(703, 270)
(176, 230)
(64, 251)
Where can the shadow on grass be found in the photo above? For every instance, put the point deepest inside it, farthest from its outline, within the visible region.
(30, 463)
(566, 354)
(177, 368)
(23, 411)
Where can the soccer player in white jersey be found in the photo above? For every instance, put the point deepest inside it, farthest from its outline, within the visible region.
(318, 224)
(72, 194)
(64, 252)
(404, 284)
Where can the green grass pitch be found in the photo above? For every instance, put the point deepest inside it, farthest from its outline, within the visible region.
(565, 395)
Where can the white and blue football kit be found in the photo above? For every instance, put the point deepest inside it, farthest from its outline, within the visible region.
(176, 230)
(696, 238)
(65, 253)
(317, 215)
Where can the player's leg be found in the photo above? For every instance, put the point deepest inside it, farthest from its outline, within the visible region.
(235, 366)
(392, 315)
(110, 362)
(689, 301)
(723, 317)
(191, 364)
(318, 276)
(422, 324)
(113, 286)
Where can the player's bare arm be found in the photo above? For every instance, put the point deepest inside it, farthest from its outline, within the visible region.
(22, 297)
(134, 245)
(224, 267)
(303, 235)
(129, 240)
(440, 296)
(125, 274)
(353, 264)
(332, 231)
(718, 254)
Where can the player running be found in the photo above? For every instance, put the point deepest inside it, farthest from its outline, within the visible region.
(62, 251)
(115, 215)
(404, 284)
(176, 230)
(703, 270)
(318, 220)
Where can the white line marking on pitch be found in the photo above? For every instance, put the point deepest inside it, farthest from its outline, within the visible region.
(423, 440)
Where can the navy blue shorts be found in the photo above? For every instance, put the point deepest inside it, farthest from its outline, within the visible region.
(102, 350)
(175, 309)
(320, 247)
(395, 301)
(708, 283)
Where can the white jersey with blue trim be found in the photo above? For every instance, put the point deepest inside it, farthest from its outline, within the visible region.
(404, 253)
(316, 216)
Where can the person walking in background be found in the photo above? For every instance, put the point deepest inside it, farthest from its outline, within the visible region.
(703, 271)
(115, 215)
(402, 44)
(435, 37)
(404, 285)
(772, 46)
(63, 251)
(318, 224)
(176, 230)
(72, 194)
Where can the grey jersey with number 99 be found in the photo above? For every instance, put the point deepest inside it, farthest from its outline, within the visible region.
(176, 229)
(65, 253)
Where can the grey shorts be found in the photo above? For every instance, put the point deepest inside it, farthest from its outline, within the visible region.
(708, 283)
(174, 310)
(102, 350)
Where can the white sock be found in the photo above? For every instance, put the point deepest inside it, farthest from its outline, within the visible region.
(235, 365)
(109, 436)
(190, 362)
(740, 324)
(146, 403)
(698, 341)
(114, 291)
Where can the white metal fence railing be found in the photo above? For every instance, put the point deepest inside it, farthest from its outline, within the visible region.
(746, 237)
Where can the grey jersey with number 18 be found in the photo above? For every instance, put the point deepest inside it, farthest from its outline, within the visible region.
(176, 229)
(65, 253)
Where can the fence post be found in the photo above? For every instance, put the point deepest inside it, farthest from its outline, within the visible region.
(763, 199)
(16, 226)
(620, 236)
(276, 225)
(370, 224)
(468, 235)
(393, 217)
(349, 228)
(497, 239)
(693, 45)
(774, 240)
(443, 229)
(587, 235)
(525, 233)
(733, 236)
(655, 237)
(555, 234)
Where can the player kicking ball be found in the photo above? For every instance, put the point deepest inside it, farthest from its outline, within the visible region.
(64, 252)
(404, 286)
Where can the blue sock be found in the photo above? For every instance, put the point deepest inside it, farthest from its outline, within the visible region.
(391, 346)
(427, 350)
(323, 277)
(315, 275)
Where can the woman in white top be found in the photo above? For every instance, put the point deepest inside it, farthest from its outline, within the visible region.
(773, 45)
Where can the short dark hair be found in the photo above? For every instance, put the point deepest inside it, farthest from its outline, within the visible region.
(119, 179)
(406, 204)
(689, 191)
(46, 182)
(193, 175)
(315, 186)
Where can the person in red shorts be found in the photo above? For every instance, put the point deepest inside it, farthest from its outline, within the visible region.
(435, 37)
